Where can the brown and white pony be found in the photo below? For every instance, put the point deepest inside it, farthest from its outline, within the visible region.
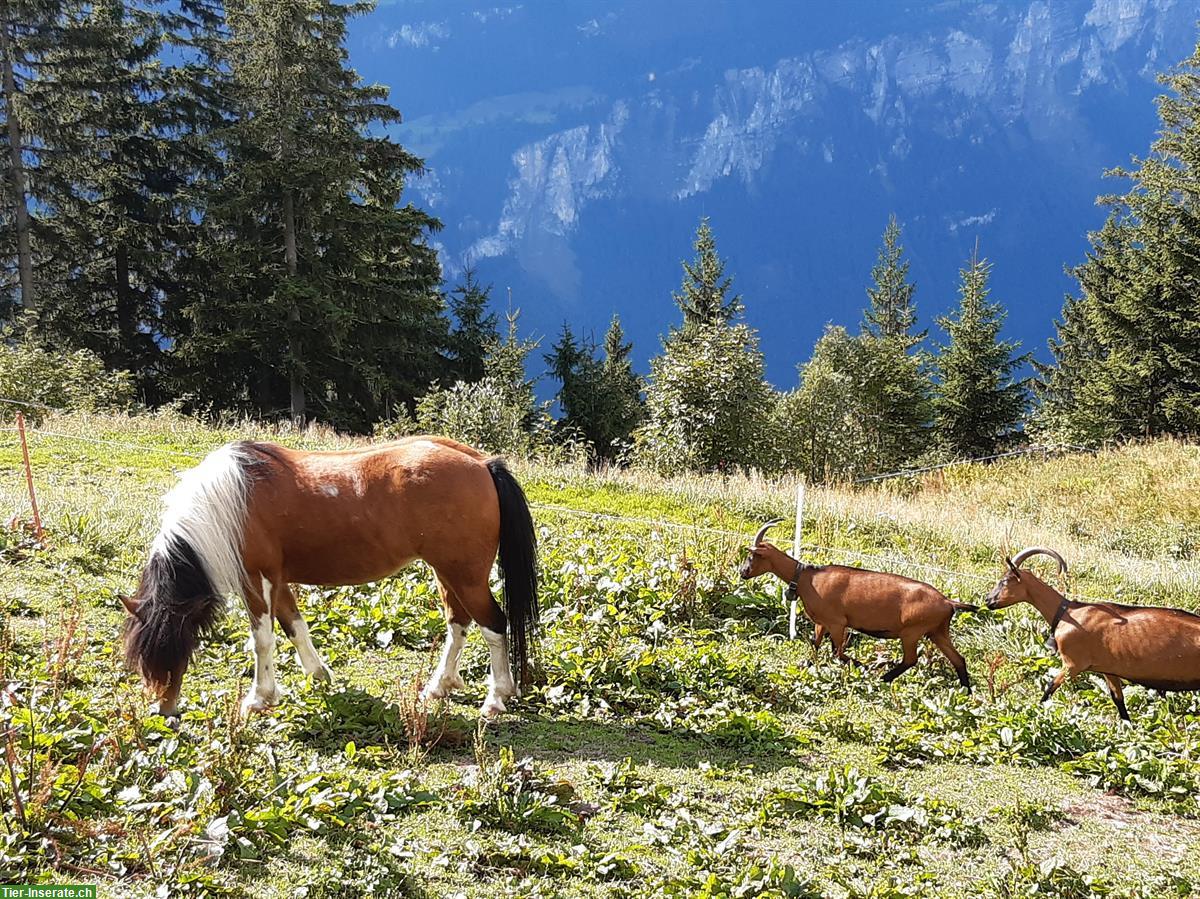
(253, 518)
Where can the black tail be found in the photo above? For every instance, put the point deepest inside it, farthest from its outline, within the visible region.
(963, 606)
(518, 566)
(175, 604)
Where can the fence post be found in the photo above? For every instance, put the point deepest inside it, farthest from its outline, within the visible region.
(37, 518)
(796, 550)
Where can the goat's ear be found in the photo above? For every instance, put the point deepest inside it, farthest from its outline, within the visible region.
(1011, 566)
(131, 606)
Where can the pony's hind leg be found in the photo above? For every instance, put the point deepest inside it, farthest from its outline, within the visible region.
(264, 692)
(478, 602)
(501, 685)
(283, 603)
(445, 678)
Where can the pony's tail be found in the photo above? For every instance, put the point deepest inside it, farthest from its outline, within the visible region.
(194, 561)
(518, 566)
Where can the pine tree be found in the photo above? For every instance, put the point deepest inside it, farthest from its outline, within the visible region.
(1127, 352)
(703, 295)
(892, 313)
(978, 404)
(475, 331)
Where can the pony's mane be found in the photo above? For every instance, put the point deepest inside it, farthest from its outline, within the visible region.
(195, 560)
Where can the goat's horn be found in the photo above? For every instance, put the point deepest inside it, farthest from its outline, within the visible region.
(762, 532)
(1039, 550)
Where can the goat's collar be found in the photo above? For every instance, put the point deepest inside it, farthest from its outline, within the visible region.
(793, 586)
(1058, 616)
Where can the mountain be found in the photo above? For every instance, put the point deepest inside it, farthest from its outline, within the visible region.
(572, 147)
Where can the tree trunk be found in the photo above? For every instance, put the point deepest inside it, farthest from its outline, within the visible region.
(291, 258)
(126, 312)
(17, 173)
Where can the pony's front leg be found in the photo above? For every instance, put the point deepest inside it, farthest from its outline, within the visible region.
(283, 604)
(264, 692)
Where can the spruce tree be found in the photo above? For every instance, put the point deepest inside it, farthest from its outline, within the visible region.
(895, 386)
(475, 328)
(978, 403)
(703, 296)
(322, 291)
(1127, 351)
(21, 25)
(576, 369)
(31, 33)
(623, 390)
(892, 313)
(114, 198)
(824, 428)
(563, 360)
(708, 406)
(600, 400)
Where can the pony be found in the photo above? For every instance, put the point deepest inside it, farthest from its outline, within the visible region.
(253, 518)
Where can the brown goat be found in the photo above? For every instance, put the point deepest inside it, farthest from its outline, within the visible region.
(838, 599)
(1155, 647)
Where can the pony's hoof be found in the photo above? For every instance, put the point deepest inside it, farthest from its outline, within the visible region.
(259, 703)
(442, 687)
(433, 692)
(171, 713)
(493, 707)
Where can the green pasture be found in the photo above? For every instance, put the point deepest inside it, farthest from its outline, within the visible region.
(676, 742)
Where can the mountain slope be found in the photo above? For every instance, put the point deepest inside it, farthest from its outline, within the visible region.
(573, 146)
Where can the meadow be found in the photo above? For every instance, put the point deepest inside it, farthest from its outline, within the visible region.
(676, 742)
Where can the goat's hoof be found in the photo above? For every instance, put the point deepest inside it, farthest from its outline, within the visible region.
(322, 674)
(493, 707)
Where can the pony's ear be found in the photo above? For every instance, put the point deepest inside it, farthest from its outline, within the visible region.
(131, 606)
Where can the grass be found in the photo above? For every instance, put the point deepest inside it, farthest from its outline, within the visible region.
(676, 745)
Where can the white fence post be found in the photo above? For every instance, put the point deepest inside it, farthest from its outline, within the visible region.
(796, 552)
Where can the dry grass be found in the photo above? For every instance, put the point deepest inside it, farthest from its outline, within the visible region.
(1130, 514)
(1126, 516)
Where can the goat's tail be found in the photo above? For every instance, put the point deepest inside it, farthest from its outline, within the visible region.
(963, 606)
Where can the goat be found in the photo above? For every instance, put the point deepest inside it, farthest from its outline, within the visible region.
(1158, 648)
(838, 599)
